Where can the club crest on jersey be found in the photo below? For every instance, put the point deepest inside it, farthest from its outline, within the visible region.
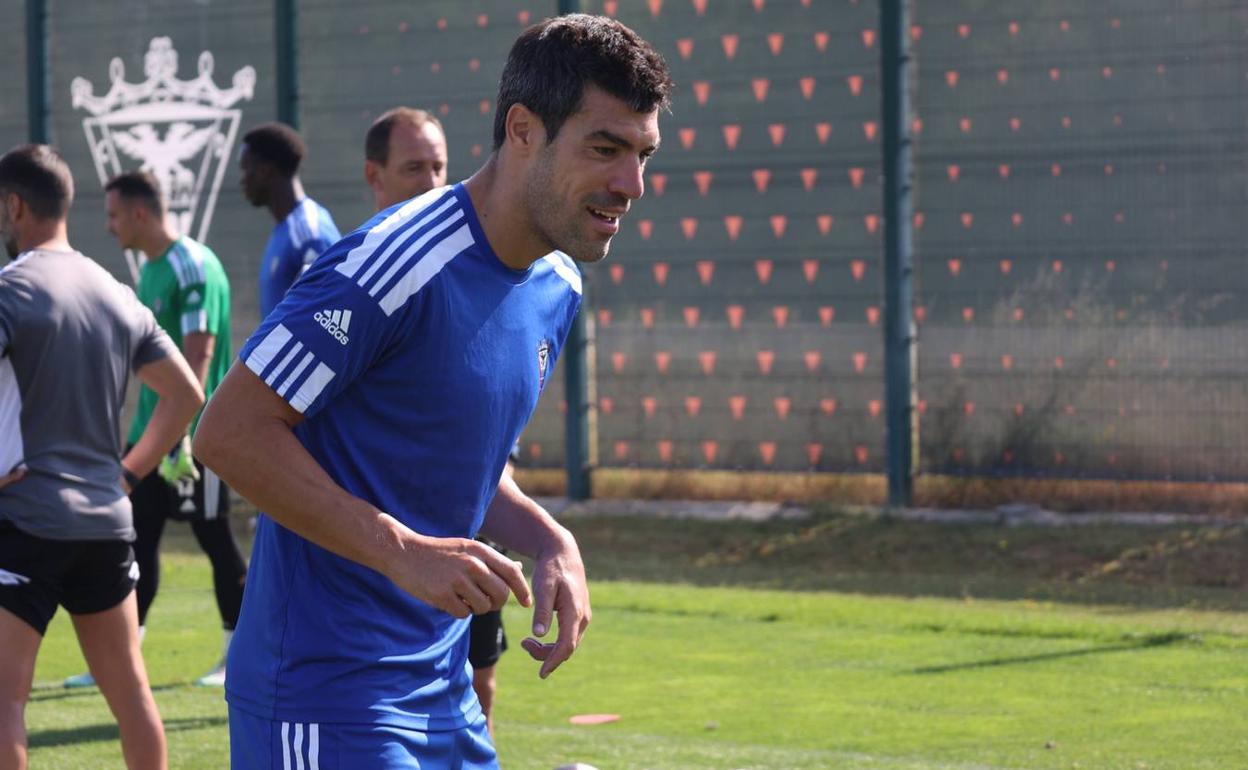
(543, 361)
(179, 130)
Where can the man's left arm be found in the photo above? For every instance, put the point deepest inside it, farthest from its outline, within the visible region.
(199, 308)
(197, 349)
(516, 521)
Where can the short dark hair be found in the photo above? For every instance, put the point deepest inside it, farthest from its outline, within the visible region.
(40, 177)
(277, 144)
(552, 61)
(138, 186)
(377, 141)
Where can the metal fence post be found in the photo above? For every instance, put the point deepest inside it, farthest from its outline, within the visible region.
(37, 71)
(286, 45)
(576, 378)
(899, 331)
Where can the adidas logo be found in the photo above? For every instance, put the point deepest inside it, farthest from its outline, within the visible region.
(335, 322)
(193, 298)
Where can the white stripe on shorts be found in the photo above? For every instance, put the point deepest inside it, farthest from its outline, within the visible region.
(314, 746)
(294, 746)
(212, 494)
(298, 746)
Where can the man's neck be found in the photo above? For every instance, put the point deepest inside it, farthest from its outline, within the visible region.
(156, 243)
(284, 197)
(52, 236)
(502, 218)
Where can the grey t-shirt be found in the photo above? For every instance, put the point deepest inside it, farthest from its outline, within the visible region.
(70, 334)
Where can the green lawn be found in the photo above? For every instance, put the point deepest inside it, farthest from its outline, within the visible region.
(738, 676)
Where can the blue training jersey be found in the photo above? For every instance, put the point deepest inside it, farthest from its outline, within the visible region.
(416, 358)
(306, 232)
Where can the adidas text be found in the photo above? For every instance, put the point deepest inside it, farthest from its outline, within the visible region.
(335, 323)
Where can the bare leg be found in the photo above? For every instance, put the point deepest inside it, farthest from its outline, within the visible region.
(20, 644)
(110, 643)
(484, 684)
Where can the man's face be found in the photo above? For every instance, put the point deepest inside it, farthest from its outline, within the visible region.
(581, 184)
(7, 230)
(122, 219)
(254, 180)
(415, 164)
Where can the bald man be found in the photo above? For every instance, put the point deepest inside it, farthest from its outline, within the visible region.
(404, 156)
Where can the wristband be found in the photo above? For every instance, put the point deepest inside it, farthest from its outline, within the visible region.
(130, 476)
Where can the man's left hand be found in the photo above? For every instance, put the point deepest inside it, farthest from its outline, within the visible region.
(15, 475)
(559, 590)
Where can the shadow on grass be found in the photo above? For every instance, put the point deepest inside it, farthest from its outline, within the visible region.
(48, 692)
(1160, 567)
(878, 555)
(42, 739)
(1153, 640)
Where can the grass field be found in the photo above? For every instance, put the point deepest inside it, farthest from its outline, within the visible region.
(837, 642)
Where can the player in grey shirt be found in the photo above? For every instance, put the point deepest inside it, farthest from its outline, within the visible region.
(70, 335)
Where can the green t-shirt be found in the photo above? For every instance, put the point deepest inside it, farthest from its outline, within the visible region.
(188, 292)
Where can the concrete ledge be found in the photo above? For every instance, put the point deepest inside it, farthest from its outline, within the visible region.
(1013, 515)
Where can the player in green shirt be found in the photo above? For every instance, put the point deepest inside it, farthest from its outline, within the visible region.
(187, 290)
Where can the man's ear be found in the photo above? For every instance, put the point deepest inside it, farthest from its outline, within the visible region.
(524, 130)
(14, 206)
(371, 172)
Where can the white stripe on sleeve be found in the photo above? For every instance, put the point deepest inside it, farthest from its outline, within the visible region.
(311, 387)
(565, 269)
(308, 358)
(277, 370)
(313, 218)
(269, 347)
(194, 321)
(356, 258)
(424, 270)
(411, 251)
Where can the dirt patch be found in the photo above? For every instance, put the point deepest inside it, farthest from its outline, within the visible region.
(875, 554)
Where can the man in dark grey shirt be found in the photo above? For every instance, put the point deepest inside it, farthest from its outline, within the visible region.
(70, 335)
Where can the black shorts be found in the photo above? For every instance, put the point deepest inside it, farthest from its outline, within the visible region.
(83, 576)
(203, 500)
(486, 640)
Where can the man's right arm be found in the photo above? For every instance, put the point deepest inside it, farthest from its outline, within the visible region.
(180, 396)
(246, 436)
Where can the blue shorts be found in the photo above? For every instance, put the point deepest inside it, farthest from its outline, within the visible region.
(261, 744)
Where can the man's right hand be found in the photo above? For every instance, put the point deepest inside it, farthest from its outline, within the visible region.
(460, 576)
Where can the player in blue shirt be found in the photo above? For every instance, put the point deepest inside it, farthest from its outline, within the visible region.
(405, 156)
(270, 159)
(372, 412)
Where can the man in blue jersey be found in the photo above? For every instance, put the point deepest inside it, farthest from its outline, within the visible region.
(372, 412)
(270, 159)
(405, 156)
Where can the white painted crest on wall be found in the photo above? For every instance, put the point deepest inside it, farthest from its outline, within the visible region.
(181, 131)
